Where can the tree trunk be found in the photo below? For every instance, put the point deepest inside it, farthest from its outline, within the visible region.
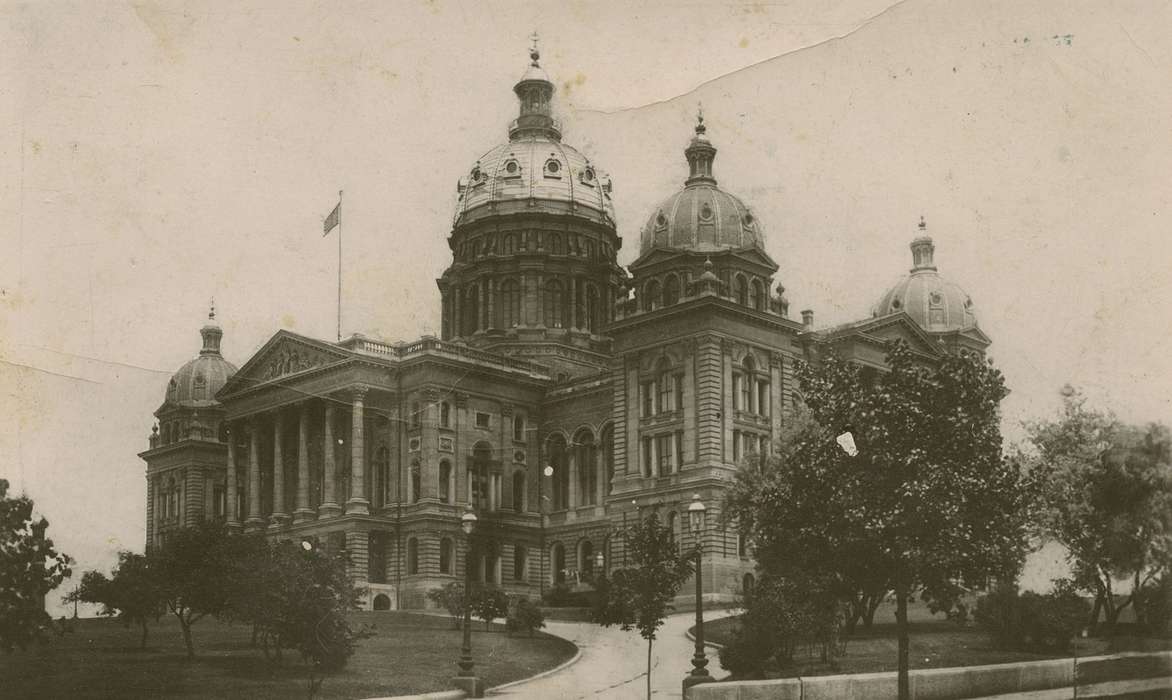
(1093, 621)
(648, 669)
(902, 630)
(186, 624)
(872, 605)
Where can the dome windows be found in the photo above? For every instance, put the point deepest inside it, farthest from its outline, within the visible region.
(706, 212)
(478, 176)
(660, 220)
(586, 176)
(553, 168)
(512, 168)
(896, 304)
(748, 220)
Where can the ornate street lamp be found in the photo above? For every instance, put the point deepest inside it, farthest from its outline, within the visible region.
(466, 679)
(699, 673)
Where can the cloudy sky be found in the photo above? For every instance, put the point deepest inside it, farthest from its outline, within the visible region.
(157, 155)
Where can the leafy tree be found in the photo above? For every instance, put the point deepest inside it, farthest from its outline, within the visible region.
(191, 568)
(640, 597)
(525, 616)
(131, 594)
(30, 567)
(1107, 500)
(928, 502)
(450, 598)
(489, 603)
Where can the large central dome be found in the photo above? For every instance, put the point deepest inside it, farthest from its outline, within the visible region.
(534, 170)
(701, 217)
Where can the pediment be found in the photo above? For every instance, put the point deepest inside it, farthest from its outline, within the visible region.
(893, 327)
(285, 354)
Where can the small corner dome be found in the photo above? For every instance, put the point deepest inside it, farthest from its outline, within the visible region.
(196, 383)
(936, 304)
(701, 217)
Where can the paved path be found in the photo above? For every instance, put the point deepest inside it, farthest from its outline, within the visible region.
(614, 663)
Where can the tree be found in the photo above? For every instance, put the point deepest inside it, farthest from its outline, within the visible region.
(30, 567)
(1107, 499)
(131, 594)
(450, 598)
(640, 597)
(489, 603)
(927, 503)
(191, 568)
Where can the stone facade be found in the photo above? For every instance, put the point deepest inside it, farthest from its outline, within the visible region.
(566, 398)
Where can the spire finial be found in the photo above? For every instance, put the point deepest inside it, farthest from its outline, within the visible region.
(212, 310)
(700, 128)
(923, 224)
(534, 54)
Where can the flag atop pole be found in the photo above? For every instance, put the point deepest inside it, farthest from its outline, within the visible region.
(334, 219)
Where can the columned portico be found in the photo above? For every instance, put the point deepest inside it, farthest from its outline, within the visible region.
(255, 521)
(358, 503)
(279, 517)
(329, 505)
(303, 512)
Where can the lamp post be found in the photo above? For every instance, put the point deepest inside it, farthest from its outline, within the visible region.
(466, 679)
(699, 673)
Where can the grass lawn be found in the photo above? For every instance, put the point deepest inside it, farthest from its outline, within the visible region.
(410, 653)
(935, 643)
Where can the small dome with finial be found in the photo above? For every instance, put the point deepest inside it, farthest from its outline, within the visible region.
(934, 303)
(196, 383)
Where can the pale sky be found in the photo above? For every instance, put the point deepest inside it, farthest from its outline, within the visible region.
(156, 155)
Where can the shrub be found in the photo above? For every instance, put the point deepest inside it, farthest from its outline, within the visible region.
(489, 603)
(748, 651)
(560, 596)
(1000, 616)
(1153, 605)
(526, 616)
(1031, 620)
(450, 598)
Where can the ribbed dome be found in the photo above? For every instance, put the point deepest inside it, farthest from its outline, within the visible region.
(701, 217)
(196, 383)
(534, 169)
(933, 302)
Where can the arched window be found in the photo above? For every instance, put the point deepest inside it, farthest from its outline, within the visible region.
(671, 290)
(519, 491)
(520, 563)
(741, 288)
(584, 452)
(666, 386)
(471, 310)
(478, 475)
(508, 244)
(651, 296)
(558, 557)
(445, 481)
(510, 308)
(519, 428)
(555, 312)
(413, 556)
(559, 463)
(445, 556)
(606, 444)
(593, 310)
(445, 415)
(416, 481)
(586, 557)
(757, 295)
(555, 245)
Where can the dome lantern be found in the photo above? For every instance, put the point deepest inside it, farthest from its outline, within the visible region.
(700, 154)
(923, 249)
(211, 333)
(535, 92)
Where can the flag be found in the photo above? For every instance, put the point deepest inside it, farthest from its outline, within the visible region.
(334, 219)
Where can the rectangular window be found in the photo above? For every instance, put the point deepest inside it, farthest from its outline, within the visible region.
(679, 450)
(666, 394)
(736, 393)
(481, 420)
(747, 394)
(648, 399)
(663, 448)
(679, 382)
(763, 398)
(647, 466)
(219, 502)
(519, 428)
(416, 415)
(736, 445)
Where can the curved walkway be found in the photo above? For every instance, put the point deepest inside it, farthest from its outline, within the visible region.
(613, 663)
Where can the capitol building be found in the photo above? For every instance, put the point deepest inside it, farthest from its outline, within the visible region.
(566, 396)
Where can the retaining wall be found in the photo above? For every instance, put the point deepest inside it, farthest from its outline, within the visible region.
(948, 683)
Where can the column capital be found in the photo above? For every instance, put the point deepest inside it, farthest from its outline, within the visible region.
(357, 393)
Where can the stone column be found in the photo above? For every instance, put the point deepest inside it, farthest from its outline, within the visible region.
(233, 511)
(395, 449)
(303, 512)
(572, 322)
(600, 472)
(358, 502)
(329, 502)
(254, 522)
(279, 515)
(572, 500)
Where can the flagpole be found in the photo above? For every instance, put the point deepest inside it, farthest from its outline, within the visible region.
(339, 265)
